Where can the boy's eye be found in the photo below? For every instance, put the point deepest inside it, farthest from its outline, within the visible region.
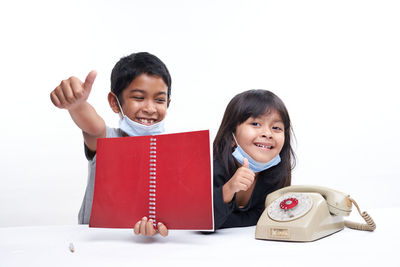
(137, 97)
(161, 100)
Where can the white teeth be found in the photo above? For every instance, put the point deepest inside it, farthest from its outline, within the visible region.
(263, 146)
(146, 121)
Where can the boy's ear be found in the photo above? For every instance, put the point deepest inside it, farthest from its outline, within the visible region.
(169, 100)
(112, 100)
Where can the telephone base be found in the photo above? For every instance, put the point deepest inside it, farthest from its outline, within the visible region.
(318, 222)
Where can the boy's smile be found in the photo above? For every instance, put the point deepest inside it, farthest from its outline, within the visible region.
(262, 138)
(145, 99)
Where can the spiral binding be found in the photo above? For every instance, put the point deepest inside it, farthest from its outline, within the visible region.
(153, 179)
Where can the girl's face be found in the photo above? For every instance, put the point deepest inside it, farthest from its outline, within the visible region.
(263, 137)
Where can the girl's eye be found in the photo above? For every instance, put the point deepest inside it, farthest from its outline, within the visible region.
(277, 128)
(137, 97)
(255, 124)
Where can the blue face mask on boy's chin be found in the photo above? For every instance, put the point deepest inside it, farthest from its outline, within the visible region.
(133, 128)
(239, 154)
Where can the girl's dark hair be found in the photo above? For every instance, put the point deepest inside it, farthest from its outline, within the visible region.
(254, 103)
(130, 67)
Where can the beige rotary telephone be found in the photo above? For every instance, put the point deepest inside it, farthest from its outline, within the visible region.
(307, 213)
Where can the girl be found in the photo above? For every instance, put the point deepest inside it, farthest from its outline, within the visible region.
(252, 157)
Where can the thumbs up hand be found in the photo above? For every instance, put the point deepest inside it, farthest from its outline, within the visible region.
(245, 163)
(72, 92)
(242, 179)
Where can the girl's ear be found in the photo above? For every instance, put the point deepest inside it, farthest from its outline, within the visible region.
(112, 100)
(233, 143)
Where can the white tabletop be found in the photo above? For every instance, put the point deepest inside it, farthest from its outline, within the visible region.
(49, 246)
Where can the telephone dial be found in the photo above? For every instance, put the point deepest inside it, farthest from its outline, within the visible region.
(307, 213)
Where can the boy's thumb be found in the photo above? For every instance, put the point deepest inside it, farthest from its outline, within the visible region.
(246, 163)
(90, 80)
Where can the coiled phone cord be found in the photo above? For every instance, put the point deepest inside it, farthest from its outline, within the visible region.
(368, 226)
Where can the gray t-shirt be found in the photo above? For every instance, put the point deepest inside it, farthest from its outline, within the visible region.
(86, 207)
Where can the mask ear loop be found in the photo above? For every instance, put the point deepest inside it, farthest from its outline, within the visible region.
(234, 137)
(121, 113)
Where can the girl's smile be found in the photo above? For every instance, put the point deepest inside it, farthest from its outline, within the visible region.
(266, 146)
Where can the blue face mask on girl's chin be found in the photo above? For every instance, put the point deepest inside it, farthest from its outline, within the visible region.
(239, 154)
(133, 128)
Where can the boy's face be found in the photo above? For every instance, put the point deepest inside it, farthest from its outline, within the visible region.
(145, 99)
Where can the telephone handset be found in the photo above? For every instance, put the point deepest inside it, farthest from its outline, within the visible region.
(307, 213)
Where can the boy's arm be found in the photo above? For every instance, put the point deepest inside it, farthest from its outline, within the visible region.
(72, 95)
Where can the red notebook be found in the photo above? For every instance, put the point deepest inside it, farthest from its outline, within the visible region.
(164, 177)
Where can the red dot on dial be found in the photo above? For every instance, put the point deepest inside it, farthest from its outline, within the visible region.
(289, 203)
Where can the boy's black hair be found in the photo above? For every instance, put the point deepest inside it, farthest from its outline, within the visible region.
(254, 103)
(130, 67)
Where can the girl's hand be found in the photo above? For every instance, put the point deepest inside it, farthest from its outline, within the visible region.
(145, 227)
(240, 181)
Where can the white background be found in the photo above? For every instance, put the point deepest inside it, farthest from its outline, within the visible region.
(335, 64)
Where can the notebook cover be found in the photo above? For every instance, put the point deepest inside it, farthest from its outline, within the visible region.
(164, 177)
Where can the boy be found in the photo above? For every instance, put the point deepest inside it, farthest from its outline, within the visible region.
(140, 93)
